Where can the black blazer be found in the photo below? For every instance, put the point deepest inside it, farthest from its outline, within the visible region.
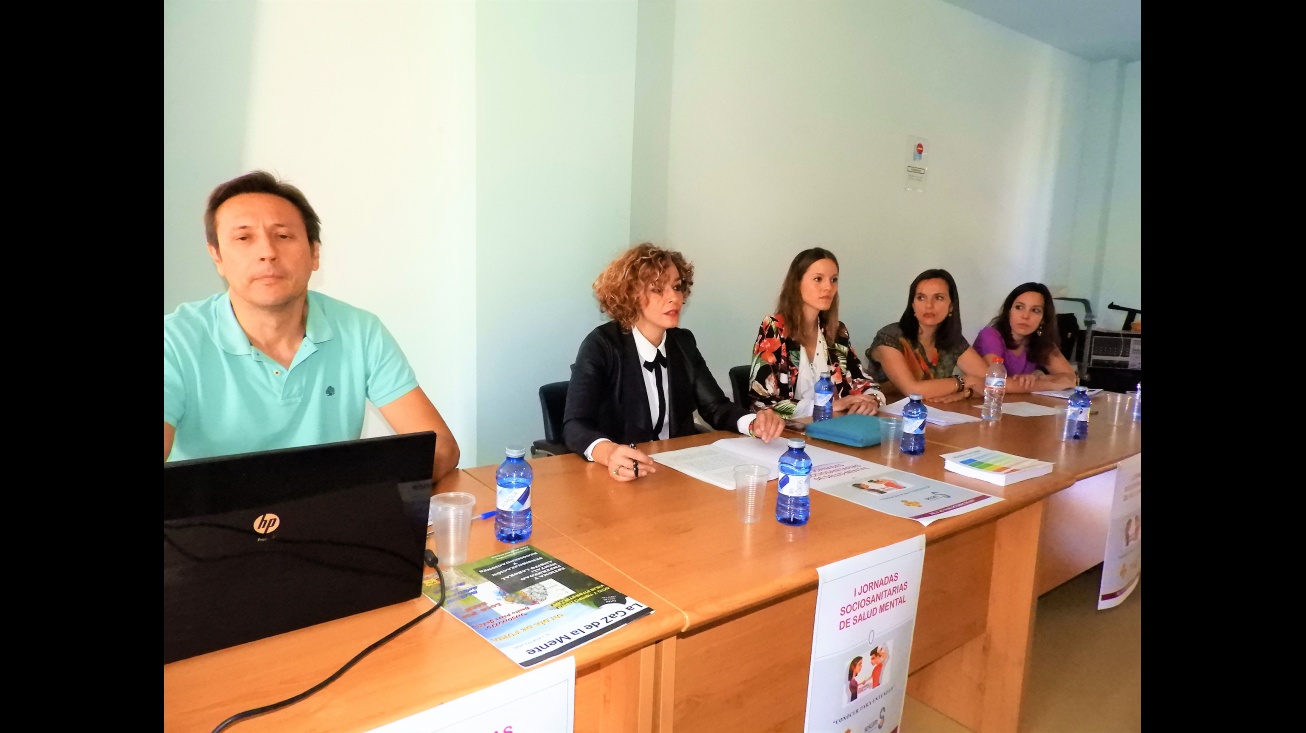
(606, 397)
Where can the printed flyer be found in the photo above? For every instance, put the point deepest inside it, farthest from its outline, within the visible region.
(898, 493)
(865, 617)
(1123, 563)
(531, 605)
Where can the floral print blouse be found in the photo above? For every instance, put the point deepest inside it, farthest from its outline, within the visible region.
(776, 360)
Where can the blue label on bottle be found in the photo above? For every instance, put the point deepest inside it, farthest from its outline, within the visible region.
(791, 485)
(913, 425)
(513, 499)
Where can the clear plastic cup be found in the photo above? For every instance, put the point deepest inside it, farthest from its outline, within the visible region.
(750, 492)
(451, 526)
(890, 432)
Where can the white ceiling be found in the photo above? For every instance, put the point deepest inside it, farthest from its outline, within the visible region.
(1096, 30)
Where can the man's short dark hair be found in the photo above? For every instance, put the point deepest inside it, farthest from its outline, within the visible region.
(261, 182)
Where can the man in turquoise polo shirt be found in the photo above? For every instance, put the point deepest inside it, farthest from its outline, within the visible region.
(269, 364)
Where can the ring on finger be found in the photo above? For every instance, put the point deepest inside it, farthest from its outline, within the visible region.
(615, 469)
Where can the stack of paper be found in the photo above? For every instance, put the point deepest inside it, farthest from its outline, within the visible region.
(994, 466)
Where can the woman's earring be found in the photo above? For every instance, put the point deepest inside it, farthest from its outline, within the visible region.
(1040, 330)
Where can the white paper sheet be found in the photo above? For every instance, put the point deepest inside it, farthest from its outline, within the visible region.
(933, 415)
(1028, 409)
(872, 485)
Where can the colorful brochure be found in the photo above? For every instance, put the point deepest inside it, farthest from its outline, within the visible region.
(532, 606)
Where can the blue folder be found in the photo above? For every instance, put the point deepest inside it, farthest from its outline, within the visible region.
(858, 431)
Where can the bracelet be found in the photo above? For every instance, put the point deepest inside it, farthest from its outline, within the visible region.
(961, 382)
(969, 392)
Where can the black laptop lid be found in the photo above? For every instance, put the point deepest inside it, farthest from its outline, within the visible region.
(258, 544)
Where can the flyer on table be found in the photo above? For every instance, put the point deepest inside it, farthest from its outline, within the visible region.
(896, 492)
(531, 605)
(863, 482)
(861, 642)
(1123, 562)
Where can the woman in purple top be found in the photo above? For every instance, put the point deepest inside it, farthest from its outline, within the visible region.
(1024, 334)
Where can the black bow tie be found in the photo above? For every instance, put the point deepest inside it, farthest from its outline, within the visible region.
(656, 366)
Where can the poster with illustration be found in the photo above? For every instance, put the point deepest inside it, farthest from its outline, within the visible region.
(865, 616)
(1122, 563)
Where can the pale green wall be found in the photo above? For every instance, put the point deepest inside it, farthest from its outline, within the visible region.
(554, 103)
(207, 52)
(476, 164)
(789, 129)
(1122, 271)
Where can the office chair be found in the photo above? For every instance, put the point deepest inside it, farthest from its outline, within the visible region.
(1072, 339)
(739, 385)
(553, 400)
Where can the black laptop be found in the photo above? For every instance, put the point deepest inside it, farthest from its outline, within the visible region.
(257, 544)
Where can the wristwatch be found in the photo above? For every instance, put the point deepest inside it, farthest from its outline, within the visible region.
(961, 382)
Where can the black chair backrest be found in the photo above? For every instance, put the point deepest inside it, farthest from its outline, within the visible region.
(739, 385)
(1072, 338)
(553, 400)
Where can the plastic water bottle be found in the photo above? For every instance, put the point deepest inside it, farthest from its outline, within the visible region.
(823, 397)
(1138, 402)
(512, 520)
(995, 387)
(1077, 409)
(913, 426)
(792, 504)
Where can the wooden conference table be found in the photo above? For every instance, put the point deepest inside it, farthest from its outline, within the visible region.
(749, 591)
(729, 644)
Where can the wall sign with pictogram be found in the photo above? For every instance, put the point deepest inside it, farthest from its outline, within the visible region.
(918, 149)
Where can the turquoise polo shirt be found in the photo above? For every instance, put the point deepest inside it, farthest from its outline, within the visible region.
(224, 396)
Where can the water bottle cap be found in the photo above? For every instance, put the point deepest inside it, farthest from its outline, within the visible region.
(797, 443)
(914, 397)
(515, 451)
(997, 360)
(1081, 388)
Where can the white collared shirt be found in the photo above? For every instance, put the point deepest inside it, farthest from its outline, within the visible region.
(646, 350)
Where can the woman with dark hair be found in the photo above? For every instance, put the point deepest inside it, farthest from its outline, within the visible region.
(854, 685)
(639, 377)
(803, 336)
(1024, 334)
(924, 352)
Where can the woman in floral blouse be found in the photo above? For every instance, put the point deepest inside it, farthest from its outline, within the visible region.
(803, 335)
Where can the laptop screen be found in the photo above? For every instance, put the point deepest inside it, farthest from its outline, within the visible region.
(257, 544)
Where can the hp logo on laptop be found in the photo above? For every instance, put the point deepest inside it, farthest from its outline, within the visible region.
(266, 523)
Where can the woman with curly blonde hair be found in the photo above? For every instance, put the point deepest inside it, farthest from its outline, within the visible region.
(640, 377)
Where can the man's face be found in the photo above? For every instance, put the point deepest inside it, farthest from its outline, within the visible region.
(263, 250)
